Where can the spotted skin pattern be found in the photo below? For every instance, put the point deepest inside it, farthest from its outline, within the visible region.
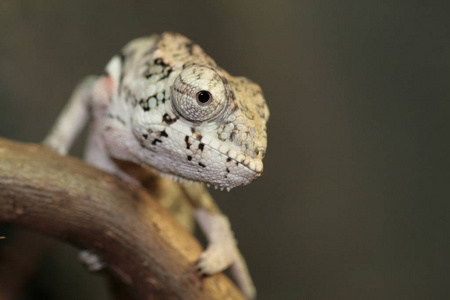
(221, 143)
(164, 104)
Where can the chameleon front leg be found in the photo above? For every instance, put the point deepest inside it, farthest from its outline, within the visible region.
(222, 251)
(90, 97)
(73, 117)
(91, 94)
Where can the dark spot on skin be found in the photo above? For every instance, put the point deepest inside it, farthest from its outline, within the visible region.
(237, 163)
(144, 104)
(166, 73)
(189, 47)
(228, 159)
(163, 134)
(225, 81)
(197, 136)
(160, 62)
(201, 165)
(201, 146)
(122, 63)
(188, 145)
(232, 95)
(188, 64)
(192, 129)
(145, 136)
(228, 170)
(232, 136)
(189, 158)
(168, 120)
(156, 141)
(178, 89)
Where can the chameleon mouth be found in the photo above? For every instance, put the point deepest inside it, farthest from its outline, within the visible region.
(254, 165)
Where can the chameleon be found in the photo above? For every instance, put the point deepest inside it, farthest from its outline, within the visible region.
(162, 104)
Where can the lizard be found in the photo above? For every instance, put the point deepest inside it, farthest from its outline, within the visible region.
(163, 104)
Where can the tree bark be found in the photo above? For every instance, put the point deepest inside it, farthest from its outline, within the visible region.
(141, 243)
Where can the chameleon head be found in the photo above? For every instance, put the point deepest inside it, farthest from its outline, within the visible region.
(211, 127)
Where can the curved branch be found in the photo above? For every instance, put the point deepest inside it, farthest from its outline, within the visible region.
(141, 242)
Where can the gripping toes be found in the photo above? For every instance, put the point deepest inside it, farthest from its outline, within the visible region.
(217, 257)
(91, 261)
(222, 251)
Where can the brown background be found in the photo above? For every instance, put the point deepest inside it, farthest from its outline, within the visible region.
(354, 200)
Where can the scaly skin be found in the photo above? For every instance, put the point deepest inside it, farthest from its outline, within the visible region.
(164, 104)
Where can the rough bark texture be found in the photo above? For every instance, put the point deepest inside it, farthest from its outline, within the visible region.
(142, 244)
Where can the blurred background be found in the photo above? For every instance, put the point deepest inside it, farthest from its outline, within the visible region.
(354, 199)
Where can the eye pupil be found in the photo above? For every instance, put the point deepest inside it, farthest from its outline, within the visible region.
(204, 97)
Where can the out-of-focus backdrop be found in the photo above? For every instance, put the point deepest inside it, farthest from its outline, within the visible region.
(354, 199)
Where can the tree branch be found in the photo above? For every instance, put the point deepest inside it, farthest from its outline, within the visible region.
(142, 244)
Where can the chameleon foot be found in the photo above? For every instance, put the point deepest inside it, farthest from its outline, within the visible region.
(222, 251)
(220, 256)
(91, 261)
(217, 258)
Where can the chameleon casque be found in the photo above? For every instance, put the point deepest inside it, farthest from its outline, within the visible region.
(164, 104)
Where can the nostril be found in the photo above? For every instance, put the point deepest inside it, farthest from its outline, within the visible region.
(260, 152)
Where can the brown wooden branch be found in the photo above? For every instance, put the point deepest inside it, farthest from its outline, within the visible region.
(142, 244)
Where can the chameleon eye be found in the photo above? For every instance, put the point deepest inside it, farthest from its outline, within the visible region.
(198, 94)
(204, 97)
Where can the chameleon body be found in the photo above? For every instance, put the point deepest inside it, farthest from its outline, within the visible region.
(164, 104)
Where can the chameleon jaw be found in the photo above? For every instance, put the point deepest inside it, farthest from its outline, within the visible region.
(199, 157)
(240, 169)
(254, 165)
(239, 162)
